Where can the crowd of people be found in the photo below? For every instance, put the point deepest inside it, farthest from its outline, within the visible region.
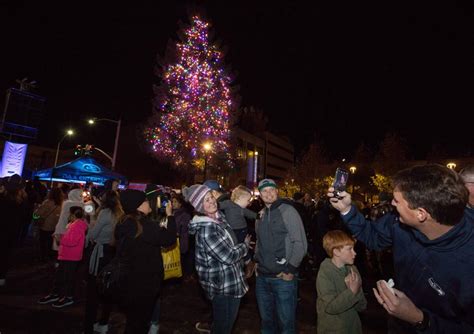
(227, 238)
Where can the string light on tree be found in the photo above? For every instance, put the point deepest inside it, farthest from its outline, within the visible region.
(194, 100)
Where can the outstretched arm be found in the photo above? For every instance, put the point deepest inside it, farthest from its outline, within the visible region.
(375, 235)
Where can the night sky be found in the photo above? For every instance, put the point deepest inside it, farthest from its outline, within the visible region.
(340, 72)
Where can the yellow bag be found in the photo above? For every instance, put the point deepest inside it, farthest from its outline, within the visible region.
(172, 261)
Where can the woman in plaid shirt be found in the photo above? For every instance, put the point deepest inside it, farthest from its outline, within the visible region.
(218, 258)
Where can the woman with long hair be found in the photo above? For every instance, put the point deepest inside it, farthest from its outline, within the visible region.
(49, 212)
(101, 240)
(139, 240)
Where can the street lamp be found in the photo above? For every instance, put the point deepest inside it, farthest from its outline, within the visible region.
(353, 169)
(69, 132)
(92, 121)
(207, 148)
(451, 165)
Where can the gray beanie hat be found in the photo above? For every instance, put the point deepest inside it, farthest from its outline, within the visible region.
(195, 195)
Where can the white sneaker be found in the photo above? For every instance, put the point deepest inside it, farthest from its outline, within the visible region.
(3, 282)
(154, 329)
(101, 328)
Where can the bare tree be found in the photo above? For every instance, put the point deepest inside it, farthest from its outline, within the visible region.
(392, 155)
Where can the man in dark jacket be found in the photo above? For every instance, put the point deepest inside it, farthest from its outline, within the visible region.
(432, 237)
(281, 246)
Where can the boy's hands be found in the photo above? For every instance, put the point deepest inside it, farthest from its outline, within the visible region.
(353, 281)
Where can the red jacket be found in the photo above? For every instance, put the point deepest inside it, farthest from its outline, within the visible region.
(71, 246)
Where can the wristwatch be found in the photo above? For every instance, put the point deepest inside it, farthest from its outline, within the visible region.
(423, 324)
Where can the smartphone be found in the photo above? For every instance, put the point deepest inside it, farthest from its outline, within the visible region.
(340, 180)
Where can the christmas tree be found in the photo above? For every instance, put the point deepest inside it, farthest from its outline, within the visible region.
(193, 102)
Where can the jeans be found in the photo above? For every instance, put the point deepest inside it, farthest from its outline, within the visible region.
(224, 313)
(276, 301)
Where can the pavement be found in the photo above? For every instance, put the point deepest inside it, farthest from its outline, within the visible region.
(182, 305)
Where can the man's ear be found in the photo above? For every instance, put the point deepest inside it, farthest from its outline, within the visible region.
(422, 215)
(336, 252)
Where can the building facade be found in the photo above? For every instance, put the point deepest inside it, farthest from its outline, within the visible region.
(261, 156)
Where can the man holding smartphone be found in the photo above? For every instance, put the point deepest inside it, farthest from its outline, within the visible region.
(432, 240)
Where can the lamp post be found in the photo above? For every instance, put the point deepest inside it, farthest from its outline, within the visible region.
(207, 148)
(352, 169)
(69, 132)
(117, 135)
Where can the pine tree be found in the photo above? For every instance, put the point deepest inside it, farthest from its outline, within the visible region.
(194, 102)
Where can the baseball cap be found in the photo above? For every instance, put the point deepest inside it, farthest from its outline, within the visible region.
(213, 185)
(266, 183)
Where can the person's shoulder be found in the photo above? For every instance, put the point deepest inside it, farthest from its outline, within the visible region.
(286, 207)
(325, 267)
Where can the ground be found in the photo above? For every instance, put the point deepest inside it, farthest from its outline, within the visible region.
(182, 305)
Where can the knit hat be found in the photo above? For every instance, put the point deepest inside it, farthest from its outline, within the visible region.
(266, 183)
(195, 195)
(131, 199)
(214, 185)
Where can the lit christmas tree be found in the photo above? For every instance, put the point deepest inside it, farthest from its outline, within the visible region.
(193, 102)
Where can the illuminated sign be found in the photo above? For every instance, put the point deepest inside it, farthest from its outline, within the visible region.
(13, 158)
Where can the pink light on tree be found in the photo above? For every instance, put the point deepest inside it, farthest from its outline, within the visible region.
(194, 101)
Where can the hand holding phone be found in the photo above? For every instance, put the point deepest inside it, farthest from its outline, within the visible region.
(340, 181)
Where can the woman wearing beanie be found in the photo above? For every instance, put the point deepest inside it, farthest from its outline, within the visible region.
(139, 240)
(218, 258)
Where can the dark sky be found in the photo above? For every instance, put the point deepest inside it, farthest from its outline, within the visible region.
(343, 72)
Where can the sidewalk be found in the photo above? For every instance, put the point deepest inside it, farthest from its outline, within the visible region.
(182, 306)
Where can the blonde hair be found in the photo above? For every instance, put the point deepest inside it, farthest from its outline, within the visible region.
(238, 192)
(336, 239)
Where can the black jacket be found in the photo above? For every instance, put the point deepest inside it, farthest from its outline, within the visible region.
(143, 253)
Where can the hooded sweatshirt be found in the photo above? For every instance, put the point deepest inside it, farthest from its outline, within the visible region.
(74, 199)
(435, 274)
(281, 240)
(71, 246)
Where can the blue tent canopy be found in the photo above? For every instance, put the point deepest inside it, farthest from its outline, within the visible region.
(84, 169)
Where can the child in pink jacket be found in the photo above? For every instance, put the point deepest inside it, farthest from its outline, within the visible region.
(71, 249)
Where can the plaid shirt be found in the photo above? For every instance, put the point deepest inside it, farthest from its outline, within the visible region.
(218, 259)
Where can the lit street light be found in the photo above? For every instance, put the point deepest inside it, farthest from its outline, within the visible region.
(207, 148)
(451, 165)
(92, 121)
(69, 132)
